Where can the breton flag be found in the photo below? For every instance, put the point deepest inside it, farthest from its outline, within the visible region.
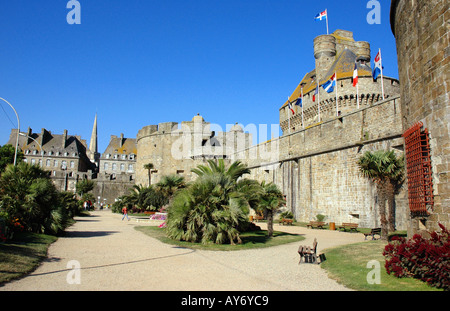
(321, 15)
(378, 69)
(355, 75)
(330, 84)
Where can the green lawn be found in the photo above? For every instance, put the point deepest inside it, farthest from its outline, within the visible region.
(23, 254)
(348, 265)
(256, 239)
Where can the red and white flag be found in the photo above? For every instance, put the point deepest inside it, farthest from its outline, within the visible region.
(355, 76)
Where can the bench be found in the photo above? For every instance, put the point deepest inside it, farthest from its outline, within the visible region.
(258, 218)
(149, 213)
(348, 226)
(285, 221)
(316, 224)
(372, 233)
(310, 254)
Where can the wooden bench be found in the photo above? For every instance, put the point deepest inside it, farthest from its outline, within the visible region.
(316, 224)
(310, 254)
(258, 218)
(285, 221)
(372, 233)
(348, 226)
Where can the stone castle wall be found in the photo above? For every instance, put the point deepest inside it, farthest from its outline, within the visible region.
(421, 29)
(316, 168)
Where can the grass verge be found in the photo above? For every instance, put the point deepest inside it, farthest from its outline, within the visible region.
(23, 254)
(250, 240)
(348, 265)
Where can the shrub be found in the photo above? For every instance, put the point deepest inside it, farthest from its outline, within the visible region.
(287, 215)
(421, 258)
(320, 217)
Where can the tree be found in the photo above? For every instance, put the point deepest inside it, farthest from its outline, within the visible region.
(210, 209)
(169, 185)
(386, 170)
(84, 186)
(234, 171)
(28, 194)
(7, 156)
(149, 167)
(271, 199)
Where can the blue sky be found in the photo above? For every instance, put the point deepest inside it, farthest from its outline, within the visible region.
(141, 62)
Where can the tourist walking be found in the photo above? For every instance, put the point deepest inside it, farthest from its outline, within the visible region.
(125, 212)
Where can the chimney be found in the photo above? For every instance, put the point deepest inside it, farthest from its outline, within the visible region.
(29, 132)
(64, 139)
(121, 140)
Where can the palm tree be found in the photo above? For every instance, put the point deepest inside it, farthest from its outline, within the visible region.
(387, 171)
(169, 185)
(234, 171)
(271, 199)
(149, 167)
(210, 209)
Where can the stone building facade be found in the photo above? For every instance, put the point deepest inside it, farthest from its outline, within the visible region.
(422, 32)
(64, 156)
(117, 169)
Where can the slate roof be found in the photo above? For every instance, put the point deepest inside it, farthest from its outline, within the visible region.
(344, 66)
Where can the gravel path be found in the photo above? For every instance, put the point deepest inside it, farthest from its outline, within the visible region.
(114, 256)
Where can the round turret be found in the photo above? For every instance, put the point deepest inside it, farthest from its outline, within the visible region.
(325, 53)
(363, 51)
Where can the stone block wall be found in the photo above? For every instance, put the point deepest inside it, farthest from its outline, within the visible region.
(317, 170)
(422, 32)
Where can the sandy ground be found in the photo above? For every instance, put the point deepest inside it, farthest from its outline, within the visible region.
(113, 256)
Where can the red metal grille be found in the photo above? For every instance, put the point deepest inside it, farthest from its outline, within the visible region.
(418, 170)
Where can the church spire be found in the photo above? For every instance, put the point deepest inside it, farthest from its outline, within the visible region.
(94, 156)
(93, 148)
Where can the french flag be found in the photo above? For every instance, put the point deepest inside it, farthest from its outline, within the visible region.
(315, 93)
(290, 107)
(355, 76)
(321, 15)
(378, 66)
(330, 84)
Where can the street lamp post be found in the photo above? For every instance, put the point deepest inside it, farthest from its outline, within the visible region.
(18, 129)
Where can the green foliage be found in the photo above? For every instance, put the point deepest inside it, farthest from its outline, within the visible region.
(28, 196)
(287, 215)
(84, 186)
(320, 217)
(212, 208)
(386, 170)
(7, 156)
(270, 200)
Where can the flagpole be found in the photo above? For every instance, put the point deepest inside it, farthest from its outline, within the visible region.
(289, 116)
(318, 97)
(336, 87)
(382, 82)
(326, 12)
(357, 94)
(303, 123)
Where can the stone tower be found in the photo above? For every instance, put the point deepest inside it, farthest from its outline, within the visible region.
(335, 53)
(421, 29)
